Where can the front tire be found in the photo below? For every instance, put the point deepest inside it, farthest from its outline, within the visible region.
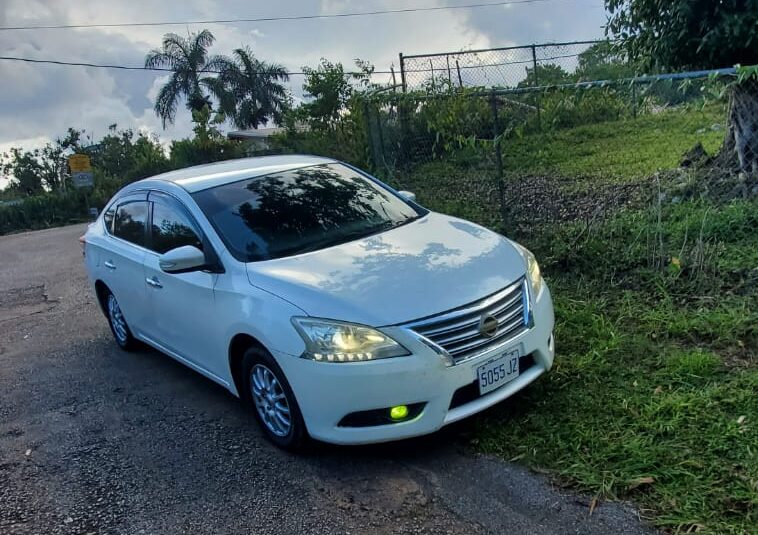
(117, 322)
(270, 396)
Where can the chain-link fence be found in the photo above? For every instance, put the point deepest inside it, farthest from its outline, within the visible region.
(494, 67)
(526, 156)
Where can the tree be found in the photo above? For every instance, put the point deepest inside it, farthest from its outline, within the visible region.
(547, 74)
(331, 88)
(699, 34)
(249, 90)
(126, 157)
(189, 60)
(45, 169)
(208, 145)
(604, 60)
(23, 170)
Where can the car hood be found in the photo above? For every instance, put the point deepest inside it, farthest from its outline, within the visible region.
(425, 267)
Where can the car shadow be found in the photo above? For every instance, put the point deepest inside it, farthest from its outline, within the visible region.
(453, 438)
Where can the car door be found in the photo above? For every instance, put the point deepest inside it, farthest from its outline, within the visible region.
(122, 261)
(181, 304)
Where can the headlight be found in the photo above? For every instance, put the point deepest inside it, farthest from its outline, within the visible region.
(532, 271)
(336, 341)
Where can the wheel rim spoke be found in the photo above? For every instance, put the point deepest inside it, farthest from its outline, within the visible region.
(258, 382)
(270, 400)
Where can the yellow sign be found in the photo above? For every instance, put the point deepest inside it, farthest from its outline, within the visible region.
(79, 163)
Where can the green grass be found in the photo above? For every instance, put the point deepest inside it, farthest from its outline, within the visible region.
(652, 397)
(631, 148)
(628, 413)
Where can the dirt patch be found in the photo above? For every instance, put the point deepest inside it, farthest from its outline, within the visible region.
(29, 295)
(533, 200)
(19, 302)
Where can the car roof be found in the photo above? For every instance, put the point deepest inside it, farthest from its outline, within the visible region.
(206, 176)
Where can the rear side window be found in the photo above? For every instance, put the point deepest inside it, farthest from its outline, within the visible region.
(130, 222)
(172, 229)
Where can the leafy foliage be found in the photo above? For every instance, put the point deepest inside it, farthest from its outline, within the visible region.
(125, 156)
(250, 91)
(119, 158)
(687, 34)
(208, 144)
(697, 34)
(191, 78)
(32, 172)
(605, 60)
(545, 74)
(331, 89)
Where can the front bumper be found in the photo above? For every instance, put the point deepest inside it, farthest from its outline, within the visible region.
(328, 392)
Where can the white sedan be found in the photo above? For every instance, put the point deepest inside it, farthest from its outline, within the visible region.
(337, 307)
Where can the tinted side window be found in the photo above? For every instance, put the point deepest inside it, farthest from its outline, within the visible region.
(131, 221)
(171, 229)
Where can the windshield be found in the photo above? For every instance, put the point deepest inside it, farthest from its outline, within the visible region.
(307, 209)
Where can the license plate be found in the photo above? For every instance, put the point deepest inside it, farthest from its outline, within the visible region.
(497, 371)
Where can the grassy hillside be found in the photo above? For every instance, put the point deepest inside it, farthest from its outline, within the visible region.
(652, 397)
(628, 149)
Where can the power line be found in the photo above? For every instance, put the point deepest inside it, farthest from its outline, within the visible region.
(289, 73)
(271, 19)
(84, 64)
(138, 68)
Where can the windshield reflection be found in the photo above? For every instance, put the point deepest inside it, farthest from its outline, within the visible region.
(301, 210)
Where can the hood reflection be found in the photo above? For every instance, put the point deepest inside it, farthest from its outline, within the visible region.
(387, 275)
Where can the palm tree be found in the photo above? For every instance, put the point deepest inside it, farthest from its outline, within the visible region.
(249, 90)
(188, 59)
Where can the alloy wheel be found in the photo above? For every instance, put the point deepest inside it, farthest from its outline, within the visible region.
(270, 400)
(117, 320)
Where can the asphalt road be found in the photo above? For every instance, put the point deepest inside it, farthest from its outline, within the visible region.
(95, 440)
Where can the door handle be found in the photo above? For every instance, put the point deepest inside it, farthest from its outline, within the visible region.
(154, 282)
(109, 264)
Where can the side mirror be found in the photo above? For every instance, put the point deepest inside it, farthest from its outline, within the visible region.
(408, 195)
(182, 259)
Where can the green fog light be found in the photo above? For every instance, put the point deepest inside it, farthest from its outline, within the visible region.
(398, 412)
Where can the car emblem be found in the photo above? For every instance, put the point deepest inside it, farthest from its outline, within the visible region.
(488, 325)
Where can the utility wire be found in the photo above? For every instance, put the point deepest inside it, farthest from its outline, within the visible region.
(289, 73)
(137, 68)
(269, 19)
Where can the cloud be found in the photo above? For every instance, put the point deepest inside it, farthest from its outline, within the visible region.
(40, 102)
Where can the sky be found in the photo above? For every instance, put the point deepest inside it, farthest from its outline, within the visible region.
(39, 102)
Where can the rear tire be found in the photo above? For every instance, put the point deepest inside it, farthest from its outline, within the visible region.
(117, 322)
(272, 401)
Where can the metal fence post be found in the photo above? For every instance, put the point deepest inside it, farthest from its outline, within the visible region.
(536, 84)
(634, 100)
(403, 149)
(402, 72)
(498, 157)
(370, 135)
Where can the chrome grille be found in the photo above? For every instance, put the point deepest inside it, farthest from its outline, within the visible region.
(458, 331)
